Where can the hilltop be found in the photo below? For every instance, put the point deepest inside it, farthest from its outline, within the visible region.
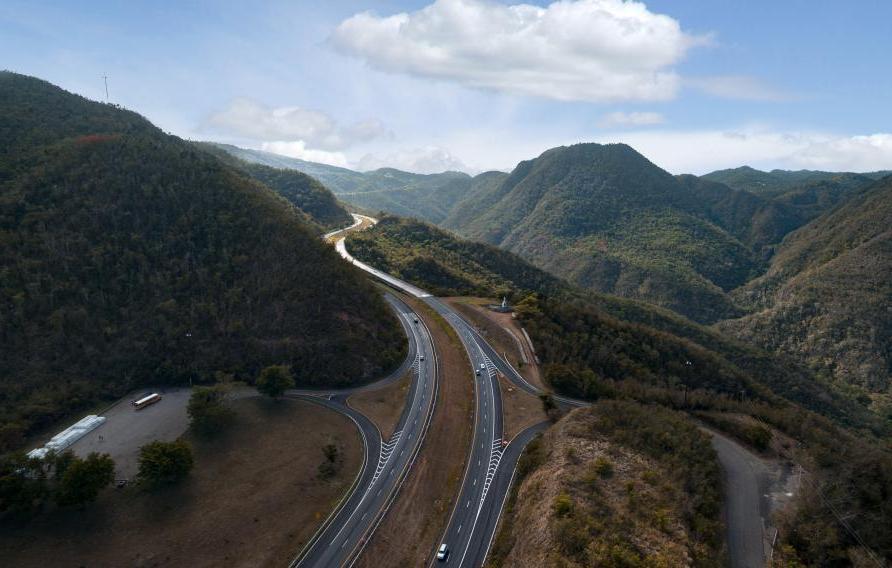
(607, 219)
(130, 257)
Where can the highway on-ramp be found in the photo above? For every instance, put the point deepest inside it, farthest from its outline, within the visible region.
(344, 534)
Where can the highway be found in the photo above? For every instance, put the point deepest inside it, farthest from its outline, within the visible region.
(492, 461)
(342, 537)
(490, 469)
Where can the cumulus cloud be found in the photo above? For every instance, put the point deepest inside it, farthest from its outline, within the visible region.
(619, 118)
(706, 150)
(250, 119)
(298, 149)
(425, 160)
(589, 50)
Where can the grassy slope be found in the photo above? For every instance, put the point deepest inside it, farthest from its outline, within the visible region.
(130, 257)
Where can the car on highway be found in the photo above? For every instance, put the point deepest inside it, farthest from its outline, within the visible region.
(443, 553)
(421, 357)
(477, 371)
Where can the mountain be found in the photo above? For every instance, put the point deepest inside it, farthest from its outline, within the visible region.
(756, 221)
(301, 190)
(129, 257)
(625, 341)
(826, 297)
(607, 219)
(425, 196)
(776, 182)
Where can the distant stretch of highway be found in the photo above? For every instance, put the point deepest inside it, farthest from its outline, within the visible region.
(344, 534)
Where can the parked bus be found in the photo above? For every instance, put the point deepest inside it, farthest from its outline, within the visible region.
(146, 401)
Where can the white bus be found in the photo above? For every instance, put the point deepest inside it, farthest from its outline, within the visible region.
(146, 401)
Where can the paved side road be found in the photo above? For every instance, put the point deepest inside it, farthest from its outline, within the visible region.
(754, 488)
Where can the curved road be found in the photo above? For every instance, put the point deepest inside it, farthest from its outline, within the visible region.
(344, 534)
(492, 463)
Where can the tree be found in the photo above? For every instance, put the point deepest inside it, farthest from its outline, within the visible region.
(165, 462)
(23, 486)
(84, 478)
(207, 409)
(275, 380)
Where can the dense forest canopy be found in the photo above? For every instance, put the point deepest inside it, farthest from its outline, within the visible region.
(129, 257)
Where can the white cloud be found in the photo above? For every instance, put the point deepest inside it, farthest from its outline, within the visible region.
(425, 160)
(250, 119)
(630, 119)
(739, 87)
(702, 151)
(856, 153)
(298, 149)
(591, 50)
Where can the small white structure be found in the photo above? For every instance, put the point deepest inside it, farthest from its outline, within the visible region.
(68, 436)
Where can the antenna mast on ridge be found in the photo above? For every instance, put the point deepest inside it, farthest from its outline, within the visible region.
(105, 79)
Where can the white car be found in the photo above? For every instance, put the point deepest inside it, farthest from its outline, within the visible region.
(443, 553)
(421, 357)
(483, 365)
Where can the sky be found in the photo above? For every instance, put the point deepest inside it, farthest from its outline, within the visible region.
(476, 85)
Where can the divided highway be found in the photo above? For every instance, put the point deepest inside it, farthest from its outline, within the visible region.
(342, 537)
(492, 462)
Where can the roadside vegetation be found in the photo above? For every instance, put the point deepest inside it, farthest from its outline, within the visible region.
(618, 485)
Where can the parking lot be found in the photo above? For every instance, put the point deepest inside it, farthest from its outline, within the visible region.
(126, 429)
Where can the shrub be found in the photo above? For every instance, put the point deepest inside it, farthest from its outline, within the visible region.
(165, 462)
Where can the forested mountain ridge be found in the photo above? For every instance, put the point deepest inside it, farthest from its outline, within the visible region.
(426, 196)
(301, 190)
(777, 182)
(130, 257)
(826, 297)
(615, 351)
(607, 219)
(623, 340)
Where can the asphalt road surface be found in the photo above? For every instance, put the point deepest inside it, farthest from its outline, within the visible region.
(747, 480)
(492, 463)
(342, 537)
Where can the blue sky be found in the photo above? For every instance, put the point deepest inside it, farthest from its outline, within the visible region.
(477, 84)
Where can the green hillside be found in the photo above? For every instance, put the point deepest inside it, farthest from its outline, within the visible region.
(301, 190)
(827, 295)
(623, 340)
(129, 257)
(444, 265)
(606, 218)
(425, 196)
